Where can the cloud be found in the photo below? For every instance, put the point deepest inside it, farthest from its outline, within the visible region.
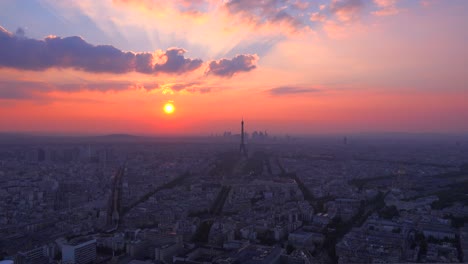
(183, 86)
(339, 11)
(22, 90)
(288, 90)
(339, 16)
(24, 53)
(346, 10)
(318, 17)
(20, 32)
(104, 86)
(176, 62)
(278, 12)
(227, 68)
(386, 8)
(191, 87)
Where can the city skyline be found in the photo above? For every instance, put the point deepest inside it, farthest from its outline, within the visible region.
(289, 66)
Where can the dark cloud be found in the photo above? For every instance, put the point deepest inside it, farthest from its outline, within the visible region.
(270, 11)
(227, 68)
(286, 90)
(177, 63)
(24, 53)
(143, 63)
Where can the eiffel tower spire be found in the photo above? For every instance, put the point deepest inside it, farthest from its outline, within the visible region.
(242, 150)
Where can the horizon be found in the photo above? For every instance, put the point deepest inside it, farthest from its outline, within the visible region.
(340, 135)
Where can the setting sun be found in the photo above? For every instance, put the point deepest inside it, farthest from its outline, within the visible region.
(169, 108)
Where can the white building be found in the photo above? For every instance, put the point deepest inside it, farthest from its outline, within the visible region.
(80, 251)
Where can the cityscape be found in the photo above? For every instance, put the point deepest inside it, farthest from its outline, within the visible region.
(234, 199)
(233, 131)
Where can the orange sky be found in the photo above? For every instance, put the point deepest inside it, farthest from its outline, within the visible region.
(332, 66)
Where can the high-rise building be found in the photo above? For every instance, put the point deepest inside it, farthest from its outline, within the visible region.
(81, 251)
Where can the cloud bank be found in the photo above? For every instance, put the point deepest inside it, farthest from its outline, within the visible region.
(24, 53)
(19, 52)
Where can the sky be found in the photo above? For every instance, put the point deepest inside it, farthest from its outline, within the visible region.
(284, 66)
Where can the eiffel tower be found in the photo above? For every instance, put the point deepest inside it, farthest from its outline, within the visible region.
(242, 149)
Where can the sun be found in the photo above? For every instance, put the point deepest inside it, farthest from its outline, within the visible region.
(169, 108)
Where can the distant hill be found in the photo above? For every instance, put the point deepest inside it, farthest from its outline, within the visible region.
(20, 138)
(6, 137)
(118, 136)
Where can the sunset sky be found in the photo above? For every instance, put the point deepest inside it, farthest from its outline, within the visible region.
(285, 66)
